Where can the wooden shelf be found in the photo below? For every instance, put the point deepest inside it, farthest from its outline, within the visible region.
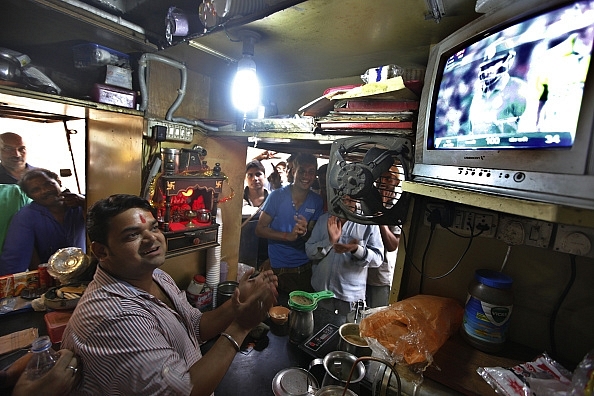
(520, 207)
(27, 23)
(48, 104)
(456, 362)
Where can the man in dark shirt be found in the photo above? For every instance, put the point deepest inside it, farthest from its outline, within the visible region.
(13, 158)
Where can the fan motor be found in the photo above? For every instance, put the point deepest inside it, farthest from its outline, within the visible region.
(355, 180)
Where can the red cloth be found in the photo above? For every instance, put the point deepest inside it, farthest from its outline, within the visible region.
(181, 226)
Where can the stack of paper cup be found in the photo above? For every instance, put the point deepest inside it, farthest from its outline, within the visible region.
(213, 261)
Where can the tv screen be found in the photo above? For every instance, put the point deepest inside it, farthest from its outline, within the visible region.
(518, 87)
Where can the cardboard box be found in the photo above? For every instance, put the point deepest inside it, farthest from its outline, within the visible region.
(12, 285)
(118, 76)
(114, 95)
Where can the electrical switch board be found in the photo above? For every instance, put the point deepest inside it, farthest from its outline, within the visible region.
(516, 230)
(174, 131)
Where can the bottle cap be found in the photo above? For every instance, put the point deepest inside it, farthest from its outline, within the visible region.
(493, 279)
(199, 279)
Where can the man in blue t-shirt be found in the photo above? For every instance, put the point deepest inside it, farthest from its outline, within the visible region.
(288, 216)
(54, 220)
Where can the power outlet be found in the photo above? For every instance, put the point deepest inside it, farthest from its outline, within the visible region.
(574, 240)
(464, 220)
(515, 230)
(485, 224)
(442, 214)
(175, 132)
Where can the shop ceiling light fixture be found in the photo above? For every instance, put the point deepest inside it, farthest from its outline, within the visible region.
(245, 91)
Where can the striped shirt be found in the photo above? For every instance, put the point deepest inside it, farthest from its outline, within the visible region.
(130, 342)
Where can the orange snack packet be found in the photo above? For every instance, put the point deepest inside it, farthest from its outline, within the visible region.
(413, 330)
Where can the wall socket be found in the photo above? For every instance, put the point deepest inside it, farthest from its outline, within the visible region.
(176, 132)
(515, 230)
(462, 220)
(574, 240)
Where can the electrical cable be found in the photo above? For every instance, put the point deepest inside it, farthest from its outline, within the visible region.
(423, 259)
(505, 258)
(422, 270)
(553, 318)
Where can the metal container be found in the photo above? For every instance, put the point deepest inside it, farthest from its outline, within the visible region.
(67, 264)
(301, 325)
(294, 381)
(225, 291)
(338, 366)
(170, 160)
(334, 390)
(203, 216)
(350, 340)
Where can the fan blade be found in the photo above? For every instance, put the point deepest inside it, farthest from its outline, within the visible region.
(378, 160)
(334, 167)
(332, 178)
(372, 203)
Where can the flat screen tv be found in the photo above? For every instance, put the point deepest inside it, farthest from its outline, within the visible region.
(508, 105)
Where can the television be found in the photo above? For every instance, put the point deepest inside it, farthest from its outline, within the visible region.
(508, 105)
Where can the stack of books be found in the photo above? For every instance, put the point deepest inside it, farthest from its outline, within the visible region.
(371, 114)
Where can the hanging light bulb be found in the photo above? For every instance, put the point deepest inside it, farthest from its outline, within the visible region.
(245, 90)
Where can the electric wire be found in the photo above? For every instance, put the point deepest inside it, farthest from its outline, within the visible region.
(421, 271)
(553, 318)
(505, 258)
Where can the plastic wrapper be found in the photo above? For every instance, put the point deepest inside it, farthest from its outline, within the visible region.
(241, 270)
(582, 382)
(381, 73)
(411, 331)
(543, 377)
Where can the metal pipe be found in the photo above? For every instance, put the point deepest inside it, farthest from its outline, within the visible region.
(142, 66)
(104, 15)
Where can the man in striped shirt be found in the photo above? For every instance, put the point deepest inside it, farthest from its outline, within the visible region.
(134, 330)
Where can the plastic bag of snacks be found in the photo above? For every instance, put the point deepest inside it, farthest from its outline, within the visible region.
(412, 330)
(543, 377)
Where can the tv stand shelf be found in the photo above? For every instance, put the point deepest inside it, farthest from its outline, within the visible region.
(521, 207)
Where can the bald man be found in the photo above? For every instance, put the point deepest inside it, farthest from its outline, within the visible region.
(13, 157)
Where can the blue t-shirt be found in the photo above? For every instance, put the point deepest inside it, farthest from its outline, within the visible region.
(34, 227)
(279, 206)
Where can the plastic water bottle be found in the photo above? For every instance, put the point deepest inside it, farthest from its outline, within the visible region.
(44, 358)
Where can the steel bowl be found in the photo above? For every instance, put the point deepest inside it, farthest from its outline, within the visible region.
(67, 264)
(350, 340)
(203, 216)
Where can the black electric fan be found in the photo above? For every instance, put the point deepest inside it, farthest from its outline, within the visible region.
(360, 179)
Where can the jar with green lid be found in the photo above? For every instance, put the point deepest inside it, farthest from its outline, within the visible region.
(488, 309)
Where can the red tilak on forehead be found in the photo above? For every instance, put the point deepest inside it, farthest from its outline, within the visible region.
(142, 218)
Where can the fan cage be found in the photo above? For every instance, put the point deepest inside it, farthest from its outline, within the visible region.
(382, 184)
(349, 161)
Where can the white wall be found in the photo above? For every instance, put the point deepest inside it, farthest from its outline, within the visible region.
(47, 147)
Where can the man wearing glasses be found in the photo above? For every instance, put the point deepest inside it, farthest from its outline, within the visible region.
(13, 158)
